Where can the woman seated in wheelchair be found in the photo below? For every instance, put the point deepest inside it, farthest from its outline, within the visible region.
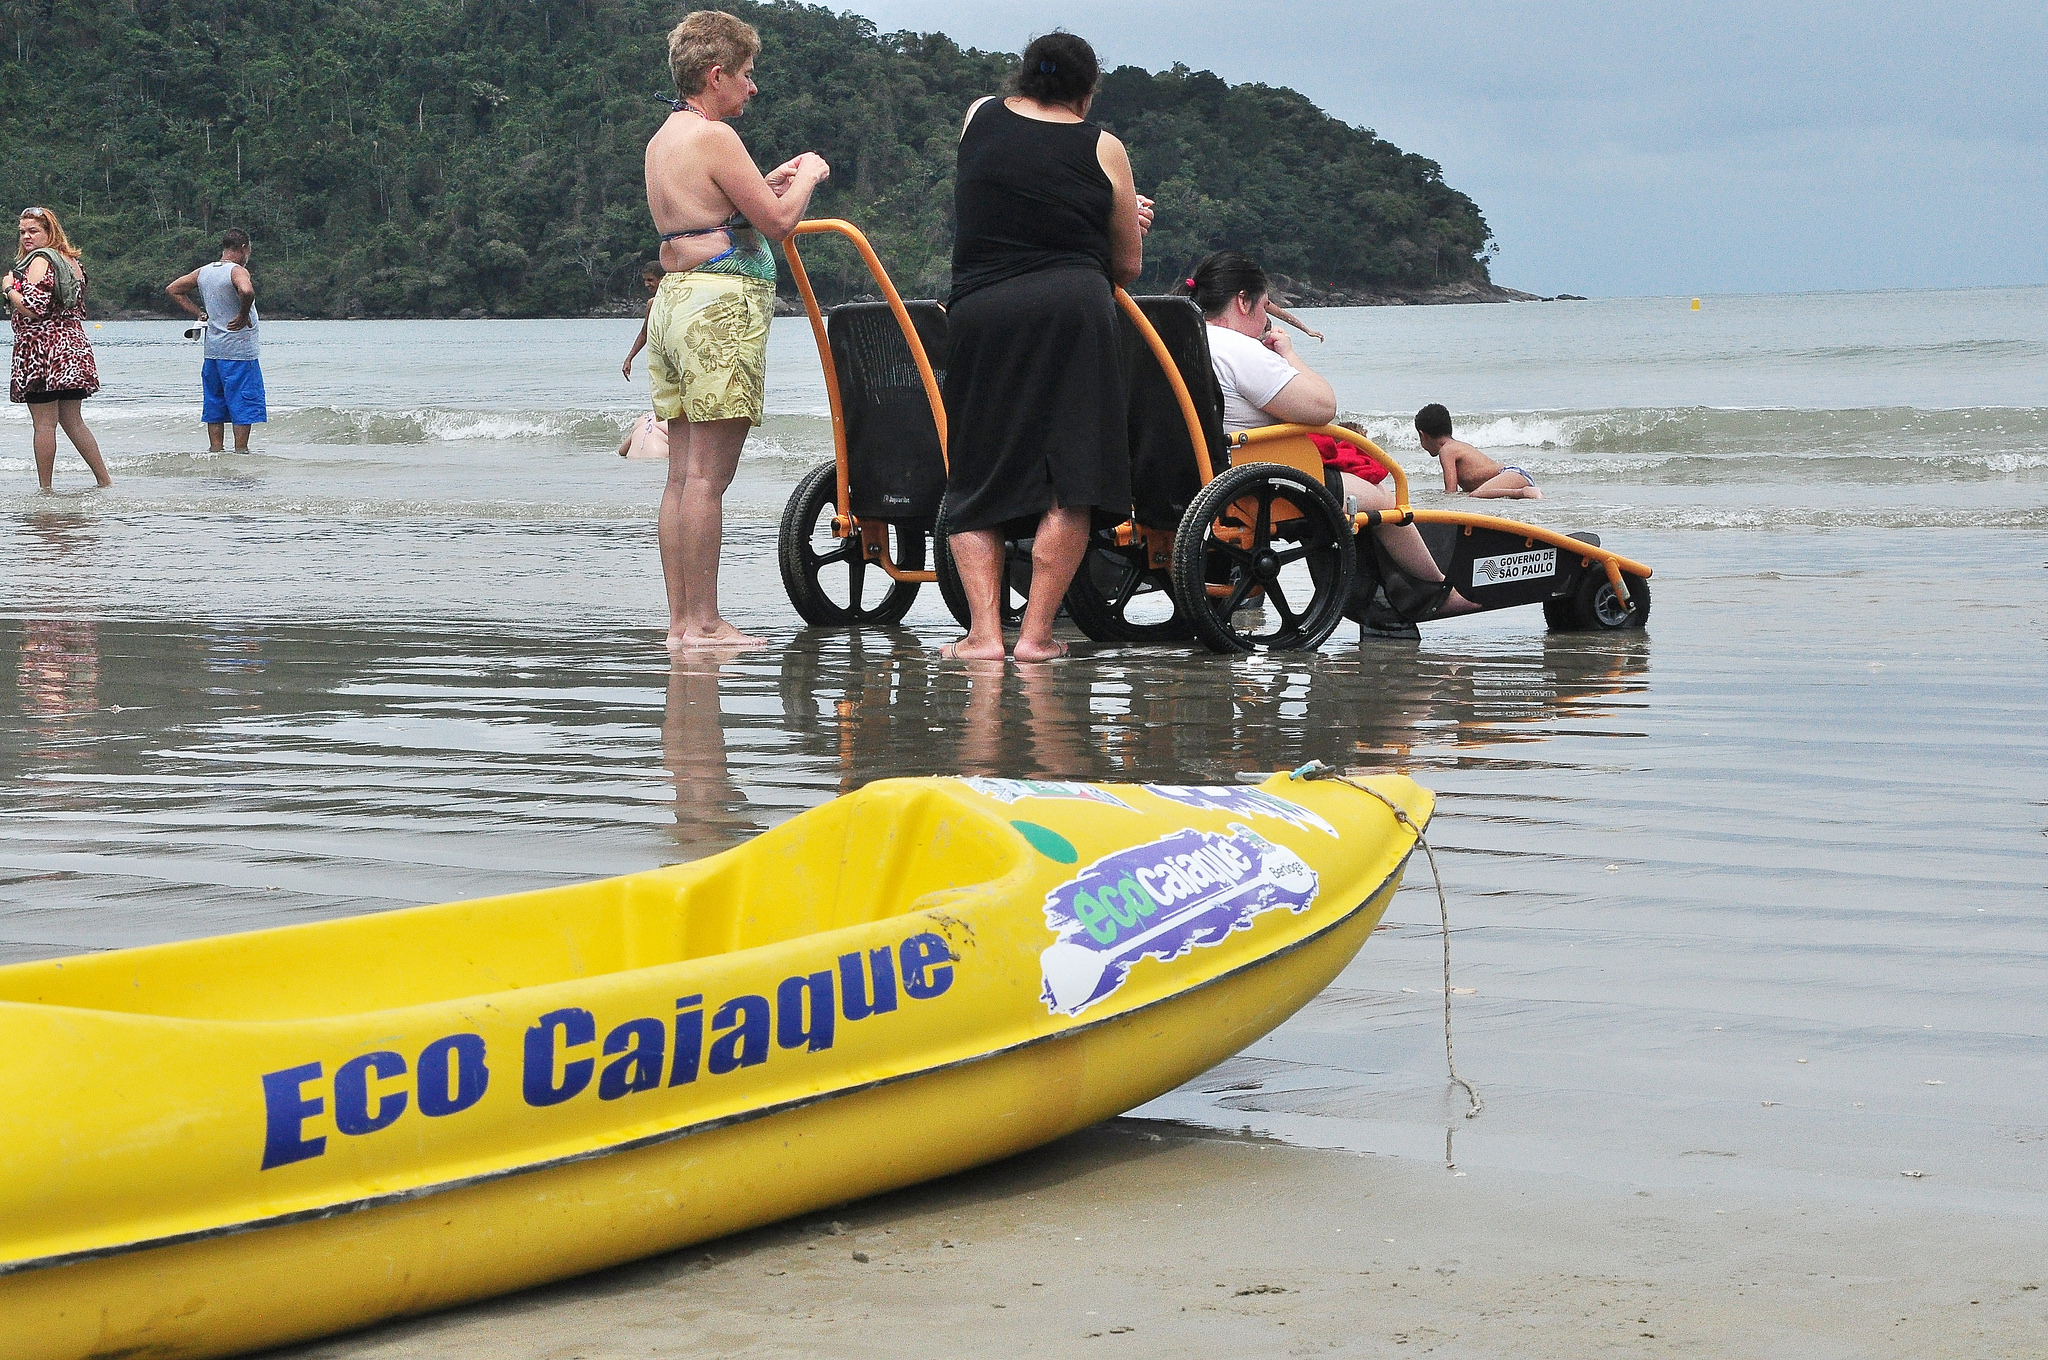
(1265, 382)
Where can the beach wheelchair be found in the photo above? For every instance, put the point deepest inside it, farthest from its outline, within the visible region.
(1238, 540)
(855, 532)
(1245, 554)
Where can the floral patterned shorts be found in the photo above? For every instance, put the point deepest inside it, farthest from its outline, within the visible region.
(707, 346)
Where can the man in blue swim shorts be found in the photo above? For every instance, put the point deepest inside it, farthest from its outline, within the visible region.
(230, 377)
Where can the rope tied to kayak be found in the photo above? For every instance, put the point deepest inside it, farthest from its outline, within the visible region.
(1315, 769)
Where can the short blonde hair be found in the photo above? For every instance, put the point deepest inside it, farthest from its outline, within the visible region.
(59, 242)
(709, 38)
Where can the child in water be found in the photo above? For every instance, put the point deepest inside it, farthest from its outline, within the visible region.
(649, 437)
(1466, 468)
(651, 275)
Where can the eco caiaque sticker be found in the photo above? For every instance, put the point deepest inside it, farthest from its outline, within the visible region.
(1187, 889)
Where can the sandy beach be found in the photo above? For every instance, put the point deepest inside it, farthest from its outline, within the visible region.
(1142, 1239)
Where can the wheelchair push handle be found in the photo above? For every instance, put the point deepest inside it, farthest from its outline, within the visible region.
(838, 226)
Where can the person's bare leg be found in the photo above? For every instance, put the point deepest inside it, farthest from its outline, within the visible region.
(1507, 486)
(691, 529)
(1055, 554)
(981, 723)
(1403, 542)
(241, 439)
(44, 415)
(72, 417)
(978, 554)
(216, 436)
(669, 524)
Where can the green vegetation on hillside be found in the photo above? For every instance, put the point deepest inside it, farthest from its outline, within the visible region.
(447, 157)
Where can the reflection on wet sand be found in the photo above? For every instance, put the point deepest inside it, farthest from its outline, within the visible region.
(230, 774)
(59, 671)
(878, 704)
(234, 659)
(1466, 700)
(57, 538)
(708, 804)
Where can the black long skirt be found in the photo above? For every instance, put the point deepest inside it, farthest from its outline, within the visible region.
(1035, 401)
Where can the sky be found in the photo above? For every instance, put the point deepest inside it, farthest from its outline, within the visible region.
(1649, 149)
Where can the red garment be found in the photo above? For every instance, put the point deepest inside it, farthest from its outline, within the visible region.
(1348, 457)
(51, 353)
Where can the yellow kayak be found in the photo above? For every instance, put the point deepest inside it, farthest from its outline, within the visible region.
(238, 1142)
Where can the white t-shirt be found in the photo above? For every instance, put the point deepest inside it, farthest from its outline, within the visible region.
(1250, 374)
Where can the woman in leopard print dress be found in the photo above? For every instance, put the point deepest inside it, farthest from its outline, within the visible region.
(53, 371)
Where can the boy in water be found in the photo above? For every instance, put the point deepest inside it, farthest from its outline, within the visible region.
(651, 275)
(1466, 468)
(649, 437)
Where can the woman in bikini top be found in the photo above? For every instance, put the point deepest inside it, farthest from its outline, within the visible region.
(747, 251)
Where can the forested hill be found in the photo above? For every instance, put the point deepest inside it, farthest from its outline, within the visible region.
(483, 157)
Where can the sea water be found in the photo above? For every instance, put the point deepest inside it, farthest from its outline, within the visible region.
(1753, 897)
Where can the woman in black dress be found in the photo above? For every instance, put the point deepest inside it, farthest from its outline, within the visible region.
(1045, 218)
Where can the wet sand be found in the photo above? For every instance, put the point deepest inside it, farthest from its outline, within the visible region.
(1139, 1239)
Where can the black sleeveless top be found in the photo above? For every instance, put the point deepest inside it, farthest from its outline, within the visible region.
(1028, 196)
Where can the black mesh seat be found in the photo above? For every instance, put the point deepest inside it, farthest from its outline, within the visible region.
(894, 465)
(1164, 477)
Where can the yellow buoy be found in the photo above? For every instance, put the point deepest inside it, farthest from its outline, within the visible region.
(1695, 304)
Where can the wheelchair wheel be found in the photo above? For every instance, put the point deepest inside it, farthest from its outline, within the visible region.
(828, 580)
(1268, 538)
(1598, 609)
(1016, 587)
(1117, 597)
(1561, 612)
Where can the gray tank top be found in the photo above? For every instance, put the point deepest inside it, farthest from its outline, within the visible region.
(222, 303)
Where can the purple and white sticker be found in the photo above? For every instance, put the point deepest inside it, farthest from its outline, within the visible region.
(1243, 801)
(1009, 791)
(1182, 891)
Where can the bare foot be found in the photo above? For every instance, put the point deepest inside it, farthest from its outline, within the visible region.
(1455, 603)
(1029, 652)
(728, 642)
(721, 636)
(967, 650)
(1530, 493)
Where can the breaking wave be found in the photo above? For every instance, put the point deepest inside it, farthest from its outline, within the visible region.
(331, 425)
(1695, 444)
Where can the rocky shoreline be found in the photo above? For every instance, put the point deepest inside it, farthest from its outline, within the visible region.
(1291, 292)
(1287, 291)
